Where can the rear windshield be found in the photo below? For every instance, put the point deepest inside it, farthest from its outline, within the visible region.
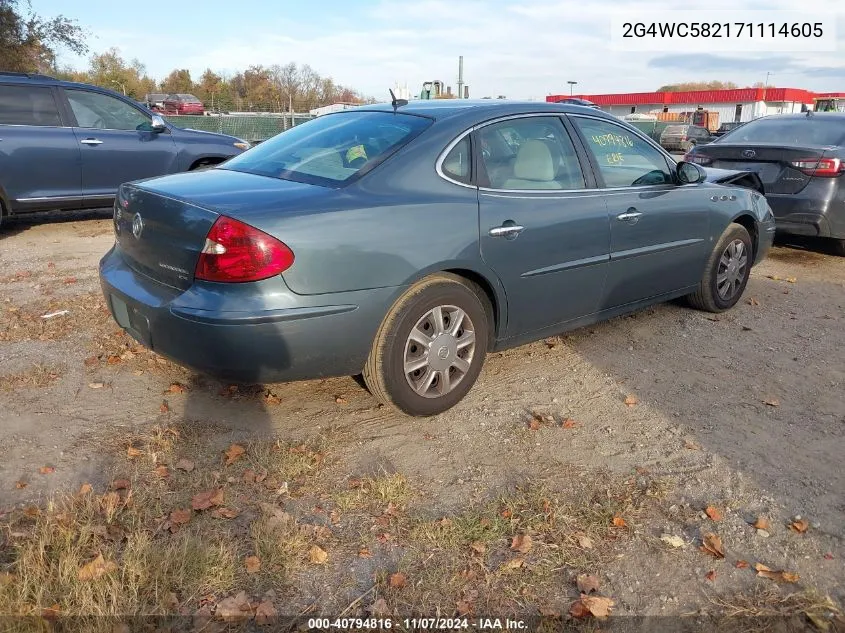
(812, 130)
(190, 98)
(333, 149)
(675, 129)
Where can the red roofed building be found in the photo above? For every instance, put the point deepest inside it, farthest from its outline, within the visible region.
(742, 104)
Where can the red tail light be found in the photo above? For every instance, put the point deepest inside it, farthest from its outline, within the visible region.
(237, 252)
(827, 167)
(692, 157)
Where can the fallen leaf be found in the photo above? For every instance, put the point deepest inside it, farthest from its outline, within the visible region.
(21, 484)
(513, 563)
(364, 553)
(800, 526)
(619, 522)
(674, 541)
(84, 489)
(234, 608)
(265, 613)
(584, 541)
(692, 446)
(252, 564)
(379, 608)
(762, 523)
(272, 398)
(91, 361)
(318, 555)
(96, 385)
(587, 583)
(630, 401)
(791, 280)
(712, 544)
(181, 516)
(164, 408)
(569, 423)
(397, 580)
(96, 568)
(176, 388)
(534, 424)
(711, 575)
(772, 402)
(597, 606)
(753, 302)
(741, 564)
(113, 360)
(521, 543)
(204, 500)
(132, 452)
(340, 400)
(506, 514)
(713, 513)
(185, 464)
(478, 547)
(463, 607)
(120, 484)
(162, 471)
(774, 277)
(46, 470)
(225, 513)
(51, 613)
(828, 556)
(777, 576)
(233, 453)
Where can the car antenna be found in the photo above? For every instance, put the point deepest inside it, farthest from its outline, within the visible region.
(396, 102)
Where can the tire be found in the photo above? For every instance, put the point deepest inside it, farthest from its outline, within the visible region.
(384, 373)
(837, 246)
(687, 147)
(712, 294)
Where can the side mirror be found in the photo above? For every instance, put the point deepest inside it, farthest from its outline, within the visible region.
(158, 124)
(690, 173)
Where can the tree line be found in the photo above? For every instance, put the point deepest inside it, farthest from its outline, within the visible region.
(28, 43)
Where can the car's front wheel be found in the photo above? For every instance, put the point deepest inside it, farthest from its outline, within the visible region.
(430, 348)
(726, 273)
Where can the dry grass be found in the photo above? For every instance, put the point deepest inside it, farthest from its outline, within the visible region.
(374, 494)
(769, 609)
(87, 312)
(38, 377)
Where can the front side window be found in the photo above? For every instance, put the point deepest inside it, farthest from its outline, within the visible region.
(456, 165)
(333, 149)
(528, 153)
(99, 111)
(623, 158)
(28, 105)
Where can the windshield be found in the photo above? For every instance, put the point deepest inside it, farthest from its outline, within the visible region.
(331, 150)
(807, 130)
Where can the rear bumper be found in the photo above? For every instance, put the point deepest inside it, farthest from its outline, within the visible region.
(277, 335)
(818, 210)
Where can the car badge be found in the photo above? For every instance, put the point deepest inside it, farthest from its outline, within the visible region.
(748, 153)
(137, 226)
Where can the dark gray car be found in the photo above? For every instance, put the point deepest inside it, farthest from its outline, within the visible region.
(65, 145)
(404, 243)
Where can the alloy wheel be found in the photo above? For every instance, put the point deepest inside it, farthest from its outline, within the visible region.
(732, 269)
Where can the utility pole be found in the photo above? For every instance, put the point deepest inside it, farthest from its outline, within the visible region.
(461, 77)
(571, 86)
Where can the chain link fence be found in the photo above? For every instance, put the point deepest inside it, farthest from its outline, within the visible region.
(254, 128)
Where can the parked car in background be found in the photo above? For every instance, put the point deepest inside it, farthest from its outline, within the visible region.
(66, 145)
(155, 101)
(800, 159)
(684, 137)
(403, 242)
(727, 127)
(581, 102)
(183, 104)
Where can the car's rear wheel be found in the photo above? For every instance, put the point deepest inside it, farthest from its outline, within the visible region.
(429, 350)
(688, 146)
(726, 273)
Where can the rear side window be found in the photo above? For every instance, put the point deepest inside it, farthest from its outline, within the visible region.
(333, 149)
(28, 105)
(456, 165)
(807, 130)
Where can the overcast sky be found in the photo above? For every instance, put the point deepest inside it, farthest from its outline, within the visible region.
(521, 49)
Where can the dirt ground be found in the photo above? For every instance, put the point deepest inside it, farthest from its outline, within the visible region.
(742, 412)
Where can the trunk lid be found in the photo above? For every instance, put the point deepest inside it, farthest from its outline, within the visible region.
(178, 211)
(772, 163)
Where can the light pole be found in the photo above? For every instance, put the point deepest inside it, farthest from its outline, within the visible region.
(571, 85)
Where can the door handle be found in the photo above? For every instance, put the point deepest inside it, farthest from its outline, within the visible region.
(91, 141)
(631, 215)
(506, 230)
